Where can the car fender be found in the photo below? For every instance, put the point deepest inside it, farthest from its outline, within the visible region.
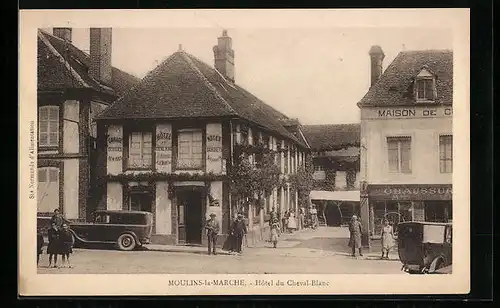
(137, 241)
(432, 267)
(76, 237)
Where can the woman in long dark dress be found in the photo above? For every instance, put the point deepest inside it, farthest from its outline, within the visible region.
(230, 243)
(53, 248)
(66, 245)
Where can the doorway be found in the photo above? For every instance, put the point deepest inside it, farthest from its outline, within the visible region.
(190, 209)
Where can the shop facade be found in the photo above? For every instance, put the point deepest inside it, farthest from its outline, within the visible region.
(411, 202)
(407, 140)
(70, 95)
(170, 146)
(177, 171)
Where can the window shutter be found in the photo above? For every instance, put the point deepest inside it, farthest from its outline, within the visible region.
(48, 127)
(48, 189)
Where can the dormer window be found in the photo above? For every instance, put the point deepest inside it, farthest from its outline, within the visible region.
(425, 86)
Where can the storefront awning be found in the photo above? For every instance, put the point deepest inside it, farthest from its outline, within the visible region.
(349, 195)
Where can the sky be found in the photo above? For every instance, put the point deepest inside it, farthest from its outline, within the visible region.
(314, 74)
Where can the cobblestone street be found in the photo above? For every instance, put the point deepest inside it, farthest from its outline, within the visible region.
(321, 251)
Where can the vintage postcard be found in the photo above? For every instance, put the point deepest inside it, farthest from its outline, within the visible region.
(213, 152)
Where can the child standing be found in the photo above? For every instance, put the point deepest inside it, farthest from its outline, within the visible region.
(66, 241)
(39, 246)
(54, 246)
(275, 233)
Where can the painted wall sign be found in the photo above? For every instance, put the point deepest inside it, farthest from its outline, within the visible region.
(115, 149)
(412, 192)
(409, 112)
(163, 149)
(214, 147)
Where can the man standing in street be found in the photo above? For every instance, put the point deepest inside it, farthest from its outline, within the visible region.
(239, 229)
(212, 228)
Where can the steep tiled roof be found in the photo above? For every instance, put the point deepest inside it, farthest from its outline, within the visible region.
(62, 65)
(395, 86)
(332, 137)
(184, 86)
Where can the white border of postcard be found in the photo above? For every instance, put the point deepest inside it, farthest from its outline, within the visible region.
(31, 283)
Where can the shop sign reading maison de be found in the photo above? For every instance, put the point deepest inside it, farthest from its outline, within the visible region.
(410, 112)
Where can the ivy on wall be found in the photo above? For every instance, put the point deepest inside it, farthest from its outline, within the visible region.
(251, 182)
(152, 177)
(303, 181)
(161, 176)
(330, 179)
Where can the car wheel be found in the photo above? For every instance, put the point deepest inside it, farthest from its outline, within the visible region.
(126, 242)
(439, 265)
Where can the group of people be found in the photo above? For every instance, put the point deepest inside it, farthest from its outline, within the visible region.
(356, 231)
(236, 237)
(60, 241)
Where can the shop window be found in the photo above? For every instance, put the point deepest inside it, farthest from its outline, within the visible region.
(48, 189)
(48, 126)
(399, 151)
(435, 211)
(140, 150)
(190, 149)
(406, 211)
(446, 154)
(418, 211)
(379, 215)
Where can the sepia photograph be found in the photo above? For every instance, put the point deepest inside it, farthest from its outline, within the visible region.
(221, 151)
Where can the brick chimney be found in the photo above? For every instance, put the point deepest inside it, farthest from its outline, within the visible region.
(377, 57)
(224, 56)
(63, 33)
(100, 54)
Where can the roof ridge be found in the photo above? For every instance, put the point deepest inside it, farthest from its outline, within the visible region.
(372, 87)
(332, 124)
(427, 50)
(84, 52)
(61, 59)
(136, 85)
(188, 60)
(268, 105)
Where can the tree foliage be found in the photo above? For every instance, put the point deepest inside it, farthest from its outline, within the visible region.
(251, 181)
(302, 181)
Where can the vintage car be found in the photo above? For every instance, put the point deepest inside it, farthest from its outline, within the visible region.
(425, 247)
(125, 229)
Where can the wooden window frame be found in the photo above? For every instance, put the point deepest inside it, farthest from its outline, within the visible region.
(50, 145)
(178, 132)
(127, 135)
(445, 159)
(425, 99)
(399, 140)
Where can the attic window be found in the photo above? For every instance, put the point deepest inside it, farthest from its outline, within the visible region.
(425, 87)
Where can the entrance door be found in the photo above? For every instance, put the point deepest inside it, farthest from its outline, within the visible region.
(140, 201)
(190, 217)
